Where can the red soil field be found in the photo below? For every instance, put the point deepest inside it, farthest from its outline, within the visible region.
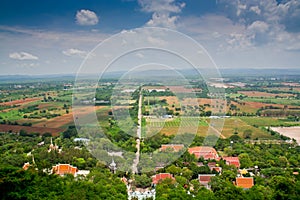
(46, 105)
(182, 89)
(16, 129)
(20, 101)
(259, 104)
(263, 94)
(60, 121)
(56, 122)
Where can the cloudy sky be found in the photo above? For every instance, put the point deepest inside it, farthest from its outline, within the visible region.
(54, 36)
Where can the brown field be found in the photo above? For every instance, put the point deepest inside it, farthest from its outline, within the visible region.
(182, 89)
(292, 132)
(56, 122)
(284, 89)
(154, 87)
(245, 107)
(20, 101)
(171, 100)
(260, 105)
(264, 94)
(46, 105)
(203, 101)
(16, 129)
(66, 119)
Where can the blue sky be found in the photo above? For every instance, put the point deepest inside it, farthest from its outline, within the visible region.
(52, 37)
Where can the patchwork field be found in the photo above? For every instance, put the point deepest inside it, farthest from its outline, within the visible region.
(264, 94)
(21, 101)
(231, 125)
(268, 121)
(284, 89)
(291, 102)
(42, 130)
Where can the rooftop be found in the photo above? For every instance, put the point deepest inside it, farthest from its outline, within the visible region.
(173, 147)
(159, 177)
(244, 182)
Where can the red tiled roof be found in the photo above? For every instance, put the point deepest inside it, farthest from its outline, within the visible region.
(159, 177)
(244, 182)
(63, 169)
(174, 147)
(204, 179)
(204, 151)
(232, 161)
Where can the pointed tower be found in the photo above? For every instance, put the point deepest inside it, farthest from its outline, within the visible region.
(113, 166)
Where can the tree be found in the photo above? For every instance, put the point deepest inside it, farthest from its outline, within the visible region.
(23, 132)
(181, 180)
(245, 160)
(228, 175)
(70, 132)
(247, 134)
(283, 187)
(173, 170)
(142, 181)
(258, 192)
(205, 194)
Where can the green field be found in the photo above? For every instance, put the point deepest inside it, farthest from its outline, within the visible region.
(12, 115)
(231, 125)
(293, 102)
(268, 121)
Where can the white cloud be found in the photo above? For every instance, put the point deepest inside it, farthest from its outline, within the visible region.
(75, 52)
(238, 41)
(163, 12)
(267, 22)
(240, 9)
(86, 18)
(162, 20)
(165, 6)
(258, 26)
(255, 9)
(22, 56)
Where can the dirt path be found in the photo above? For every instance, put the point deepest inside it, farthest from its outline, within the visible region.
(217, 132)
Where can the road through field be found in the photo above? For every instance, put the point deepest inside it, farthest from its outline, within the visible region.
(138, 133)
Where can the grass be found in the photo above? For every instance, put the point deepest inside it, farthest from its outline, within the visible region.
(235, 124)
(293, 102)
(12, 115)
(102, 115)
(231, 125)
(268, 121)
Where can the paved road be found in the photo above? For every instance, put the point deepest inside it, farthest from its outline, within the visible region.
(139, 135)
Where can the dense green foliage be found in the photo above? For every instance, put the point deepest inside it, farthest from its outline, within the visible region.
(35, 183)
(16, 183)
